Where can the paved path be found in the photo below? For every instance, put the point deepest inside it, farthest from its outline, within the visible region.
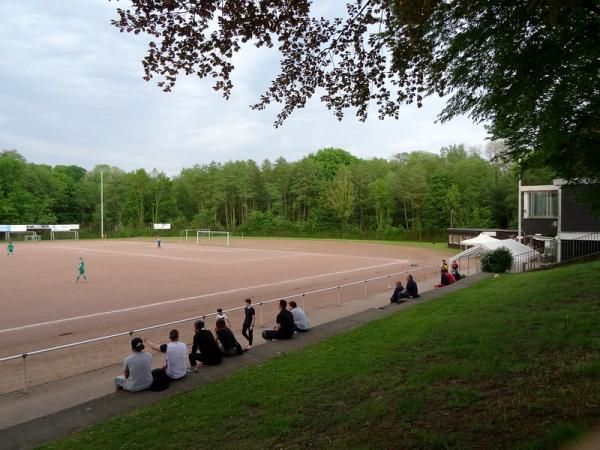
(51, 412)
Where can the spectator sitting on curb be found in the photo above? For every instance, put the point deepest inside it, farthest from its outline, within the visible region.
(229, 344)
(411, 287)
(205, 349)
(301, 322)
(137, 369)
(398, 293)
(284, 328)
(175, 358)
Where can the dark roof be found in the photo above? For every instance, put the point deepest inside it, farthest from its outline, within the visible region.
(479, 230)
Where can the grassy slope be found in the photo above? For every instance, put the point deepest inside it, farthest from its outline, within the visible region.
(510, 363)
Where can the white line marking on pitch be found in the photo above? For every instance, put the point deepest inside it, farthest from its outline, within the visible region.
(179, 258)
(195, 297)
(218, 250)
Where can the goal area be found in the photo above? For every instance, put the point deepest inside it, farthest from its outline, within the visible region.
(213, 237)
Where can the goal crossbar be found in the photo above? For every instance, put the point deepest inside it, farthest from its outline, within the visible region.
(210, 234)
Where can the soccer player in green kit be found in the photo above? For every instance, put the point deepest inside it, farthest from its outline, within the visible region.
(10, 248)
(81, 271)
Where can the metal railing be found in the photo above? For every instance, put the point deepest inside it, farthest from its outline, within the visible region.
(471, 267)
(581, 246)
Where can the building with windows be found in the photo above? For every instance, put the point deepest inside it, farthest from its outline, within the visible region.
(555, 221)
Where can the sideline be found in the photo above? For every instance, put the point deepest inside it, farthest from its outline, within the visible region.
(62, 423)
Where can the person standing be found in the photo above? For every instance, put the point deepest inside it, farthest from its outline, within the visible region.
(158, 242)
(301, 322)
(175, 367)
(221, 315)
(81, 271)
(137, 369)
(248, 325)
(10, 248)
(284, 328)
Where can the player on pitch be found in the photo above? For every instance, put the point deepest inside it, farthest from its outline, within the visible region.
(10, 248)
(81, 271)
(158, 242)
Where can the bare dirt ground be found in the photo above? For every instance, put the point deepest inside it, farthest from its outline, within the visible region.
(133, 284)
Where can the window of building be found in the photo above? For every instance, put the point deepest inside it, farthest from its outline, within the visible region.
(542, 204)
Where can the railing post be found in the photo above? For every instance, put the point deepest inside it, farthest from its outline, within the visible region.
(260, 313)
(424, 277)
(24, 372)
(303, 307)
(388, 283)
(365, 288)
(338, 296)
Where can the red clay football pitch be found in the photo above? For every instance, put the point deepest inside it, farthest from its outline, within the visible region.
(132, 284)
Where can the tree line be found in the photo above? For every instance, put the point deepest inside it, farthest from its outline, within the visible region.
(329, 193)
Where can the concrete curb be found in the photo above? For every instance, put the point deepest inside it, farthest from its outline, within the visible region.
(62, 423)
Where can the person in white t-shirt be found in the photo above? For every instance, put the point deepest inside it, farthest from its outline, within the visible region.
(137, 369)
(175, 367)
(222, 315)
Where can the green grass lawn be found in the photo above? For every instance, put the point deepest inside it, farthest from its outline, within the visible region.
(513, 362)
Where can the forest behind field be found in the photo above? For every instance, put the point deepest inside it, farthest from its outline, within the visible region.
(329, 193)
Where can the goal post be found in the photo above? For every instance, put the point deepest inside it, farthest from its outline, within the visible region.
(190, 232)
(213, 236)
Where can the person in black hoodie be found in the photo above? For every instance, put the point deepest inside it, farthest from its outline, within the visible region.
(412, 291)
(229, 344)
(284, 328)
(205, 349)
(398, 293)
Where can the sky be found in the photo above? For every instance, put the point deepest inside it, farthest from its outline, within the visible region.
(72, 92)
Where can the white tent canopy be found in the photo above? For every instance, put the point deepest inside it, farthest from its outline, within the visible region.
(481, 239)
(515, 248)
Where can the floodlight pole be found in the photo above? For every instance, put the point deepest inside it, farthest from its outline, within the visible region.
(101, 205)
(519, 212)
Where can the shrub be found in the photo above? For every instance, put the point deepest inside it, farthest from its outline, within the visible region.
(498, 261)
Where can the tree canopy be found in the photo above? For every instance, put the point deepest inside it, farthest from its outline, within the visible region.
(329, 193)
(529, 70)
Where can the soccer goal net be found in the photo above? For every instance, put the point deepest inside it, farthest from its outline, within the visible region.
(213, 237)
(190, 233)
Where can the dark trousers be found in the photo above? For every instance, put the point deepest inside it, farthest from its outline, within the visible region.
(247, 332)
(269, 335)
(198, 357)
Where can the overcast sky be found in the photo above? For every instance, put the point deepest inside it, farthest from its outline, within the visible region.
(71, 92)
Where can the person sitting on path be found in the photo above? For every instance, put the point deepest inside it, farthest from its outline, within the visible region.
(398, 293)
(248, 325)
(229, 344)
(284, 328)
(175, 358)
(205, 349)
(455, 271)
(412, 291)
(301, 322)
(451, 278)
(137, 369)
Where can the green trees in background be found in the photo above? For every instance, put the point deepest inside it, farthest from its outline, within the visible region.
(329, 193)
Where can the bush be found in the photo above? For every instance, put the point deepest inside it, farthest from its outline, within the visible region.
(497, 261)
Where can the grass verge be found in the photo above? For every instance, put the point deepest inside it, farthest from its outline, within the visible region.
(512, 362)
